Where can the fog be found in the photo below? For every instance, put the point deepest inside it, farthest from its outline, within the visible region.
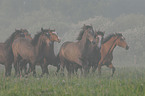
(68, 16)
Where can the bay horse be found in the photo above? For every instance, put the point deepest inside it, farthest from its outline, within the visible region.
(108, 45)
(74, 53)
(29, 50)
(94, 54)
(6, 54)
(48, 52)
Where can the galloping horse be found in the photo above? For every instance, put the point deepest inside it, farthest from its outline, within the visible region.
(94, 54)
(109, 43)
(6, 54)
(48, 52)
(74, 53)
(30, 50)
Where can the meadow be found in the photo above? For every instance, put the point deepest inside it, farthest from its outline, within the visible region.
(127, 81)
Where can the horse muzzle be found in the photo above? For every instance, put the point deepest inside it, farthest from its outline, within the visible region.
(127, 47)
(93, 42)
(59, 40)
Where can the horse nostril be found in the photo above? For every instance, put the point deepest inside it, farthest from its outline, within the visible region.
(59, 41)
(127, 47)
(93, 42)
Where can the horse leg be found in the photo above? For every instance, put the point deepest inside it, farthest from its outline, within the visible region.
(58, 68)
(8, 68)
(99, 69)
(46, 67)
(32, 66)
(113, 69)
(86, 70)
(33, 70)
(62, 65)
(16, 66)
(43, 70)
(94, 68)
(25, 68)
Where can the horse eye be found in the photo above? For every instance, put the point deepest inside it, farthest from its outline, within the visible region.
(121, 39)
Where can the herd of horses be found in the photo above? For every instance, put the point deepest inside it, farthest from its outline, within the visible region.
(91, 50)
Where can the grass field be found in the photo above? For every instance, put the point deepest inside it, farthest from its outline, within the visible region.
(127, 81)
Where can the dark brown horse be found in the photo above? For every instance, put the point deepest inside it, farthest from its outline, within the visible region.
(29, 50)
(74, 53)
(48, 52)
(109, 43)
(94, 54)
(6, 54)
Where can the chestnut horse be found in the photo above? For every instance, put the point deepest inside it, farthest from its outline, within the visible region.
(29, 50)
(109, 43)
(74, 53)
(48, 52)
(6, 54)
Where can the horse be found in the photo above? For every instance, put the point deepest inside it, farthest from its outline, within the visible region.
(108, 45)
(48, 52)
(6, 54)
(94, 54)
(29, 50)
(74, 53)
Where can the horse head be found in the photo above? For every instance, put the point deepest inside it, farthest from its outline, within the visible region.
(88, 33)
(54, 36)
(121, 42)
(99, 37)
(26, 34)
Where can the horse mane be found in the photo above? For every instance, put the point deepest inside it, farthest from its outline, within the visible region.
(85, 27)
(10, 40)
(99, 33)
(36, 38)
(110, 36)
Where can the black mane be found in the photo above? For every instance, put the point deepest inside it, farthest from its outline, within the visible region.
(85, 27)
(100, 33)
(10, 40)
(110, 36)
(36, 38)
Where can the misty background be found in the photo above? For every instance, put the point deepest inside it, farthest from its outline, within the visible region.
(68, 16)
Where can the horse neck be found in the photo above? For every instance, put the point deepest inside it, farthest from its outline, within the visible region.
(110, 45)
(83, 43)
(50, 47)
(38, 47)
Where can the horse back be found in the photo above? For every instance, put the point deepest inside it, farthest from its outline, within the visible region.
(3, 53)
(23, 47)
(106, 57)
(70, 51)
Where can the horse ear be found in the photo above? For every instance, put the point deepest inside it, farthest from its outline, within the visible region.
(16, 29)
(21, 29)
(99, 29)
(91, 25)
(84, 26)
(104, 32)
(42, 29)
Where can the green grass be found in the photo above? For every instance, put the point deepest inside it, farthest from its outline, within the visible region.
(127, 81)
